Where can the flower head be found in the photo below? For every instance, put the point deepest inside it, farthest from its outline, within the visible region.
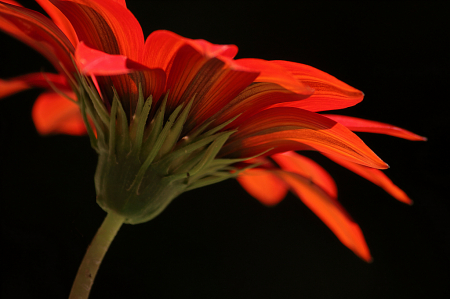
(170, 114)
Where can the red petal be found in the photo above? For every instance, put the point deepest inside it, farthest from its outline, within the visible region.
(162, 45)
(94, 62)
(214, 86)
(307, 168)
(263, 185)
(17, 84)
(38, 32)
(363, 125)
(212, 50)
(12, 2)
(290, 129)
(121, 2)
(330, 93)
(330, 212)
(127, 86)
(105, 25)
(272, 73)
(160, 48)
(253, 99)
(375, 176)
(53, 114)
(214, 82)
(60, 20)
(196, 67)
(186, 64)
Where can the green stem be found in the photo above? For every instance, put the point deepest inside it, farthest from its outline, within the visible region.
(94, 256)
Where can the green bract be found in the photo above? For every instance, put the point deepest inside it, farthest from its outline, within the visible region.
(145, 163)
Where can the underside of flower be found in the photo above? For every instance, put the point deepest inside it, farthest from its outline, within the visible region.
(145, 163)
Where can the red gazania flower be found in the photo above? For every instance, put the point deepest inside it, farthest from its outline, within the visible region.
(169, 114)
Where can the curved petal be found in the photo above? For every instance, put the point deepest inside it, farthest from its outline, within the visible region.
(212, 50)
(272, 73)
(127, 87)
(105, 25)
(12, 2)
(60, 20)
(329, 211)
(95, 62)
(330, 93)
(38, 32)
(161, 46)
(253, 99)
(214, 81)
(290, 129)
(263, 185)
(53, 114)
(45, 80)
(214, 86)
(363, 125)
(375, 176)
(121, 2)
(307, 168)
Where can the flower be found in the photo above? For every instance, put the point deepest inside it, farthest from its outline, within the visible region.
(170, 114)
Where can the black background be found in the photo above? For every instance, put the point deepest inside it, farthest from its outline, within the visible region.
(218, 242)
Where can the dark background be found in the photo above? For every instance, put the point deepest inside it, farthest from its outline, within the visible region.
(218, 242)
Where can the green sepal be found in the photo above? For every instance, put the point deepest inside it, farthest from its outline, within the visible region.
(140, 103)
(220, 127)
(90, 131)
(145, 163)
(155, 128)
(182, 154)
(159, 141)
(210, 154)
(138, 130)
(112, 128)
(123, 141)
(95, 99)
(175, 131)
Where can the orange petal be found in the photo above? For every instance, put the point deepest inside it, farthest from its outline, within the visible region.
(39, 32)
(307, 168)
(17, 84)
(212, 50)
(60, 20)
(12, 2)
(12, 86)
(95, 62)
(105, 25)
(160, 48)
(363, 125)
(121, 2)
(290, 129)
(329, 211)
(214, 86)
(253, 99)
(330, 93)
(272, 73)
(53, 114)
(186, 64)
(162, 45)
(375, 176)
(213, 80)
(263, 185)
